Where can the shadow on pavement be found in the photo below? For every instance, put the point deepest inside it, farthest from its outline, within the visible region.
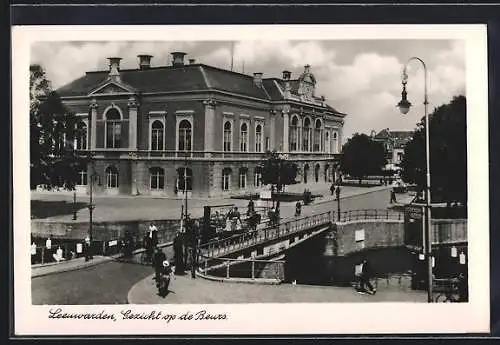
(45, 209)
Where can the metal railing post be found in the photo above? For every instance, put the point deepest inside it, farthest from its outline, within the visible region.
(227, 269)
(253, 269)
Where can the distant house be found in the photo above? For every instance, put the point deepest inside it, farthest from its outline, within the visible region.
(394, 144)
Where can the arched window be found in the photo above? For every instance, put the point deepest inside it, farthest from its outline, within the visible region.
(294, 134)
(318, 136)
(306, 172)
(257, 177)
(157, 136)
(327, 142)
(156, 179)
(81, 136)
(258, 138)
(227, 136)
(184, 179)
(113, 128)
(335, 143)
(185, 133)
(243, 178)
(327, 172)
(244, 137)
(226, 179)
(306, 135)
(112, 177)
(316, 172)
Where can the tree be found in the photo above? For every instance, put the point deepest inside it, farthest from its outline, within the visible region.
(362, 156)
(53, 162)
(448, 153)
(278, 171)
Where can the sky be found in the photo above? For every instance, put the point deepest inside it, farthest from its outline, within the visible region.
(361, 78)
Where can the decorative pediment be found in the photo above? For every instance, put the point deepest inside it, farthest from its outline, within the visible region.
(112, 87)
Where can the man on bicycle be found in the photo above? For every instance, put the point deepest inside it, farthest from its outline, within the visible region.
(158, 259)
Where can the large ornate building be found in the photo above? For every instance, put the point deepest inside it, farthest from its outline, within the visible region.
(160, 130)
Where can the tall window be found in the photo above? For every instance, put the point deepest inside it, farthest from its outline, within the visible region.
(294, 134)
(156, 179)
(327, 142)
(258, 138)
(82, 177)
(306, 135)
(226, 179)
(227, 136)
(316, 172)
(111, 177)
(184, 179)
(157, 136)
(334, 142)
(113, 128)
(243, 178)
(81, 136)
(268, 144)
(244, 137)
(185, 133)
(306, 172)
(257, 177)
(318, 136)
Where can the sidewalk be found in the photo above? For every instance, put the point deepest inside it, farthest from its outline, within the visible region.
(147, 208)
(184, 289)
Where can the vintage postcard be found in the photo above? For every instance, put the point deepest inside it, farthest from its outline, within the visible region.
(307, 179)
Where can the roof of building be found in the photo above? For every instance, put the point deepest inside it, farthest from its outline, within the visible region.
(192, 77)
(398, 138)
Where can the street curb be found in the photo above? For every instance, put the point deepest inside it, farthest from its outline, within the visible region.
(74, 268)
(94, 263)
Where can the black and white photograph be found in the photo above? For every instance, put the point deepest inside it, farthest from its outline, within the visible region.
(250, 173)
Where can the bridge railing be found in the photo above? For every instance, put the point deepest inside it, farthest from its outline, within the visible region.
(247, 239)
(244, 269)
(369, 214)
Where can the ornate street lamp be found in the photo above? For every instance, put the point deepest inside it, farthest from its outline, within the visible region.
(404, 106)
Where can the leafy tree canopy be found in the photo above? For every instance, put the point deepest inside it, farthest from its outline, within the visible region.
(448, 153)
(278, 171)
(362, 156)
(53, 162)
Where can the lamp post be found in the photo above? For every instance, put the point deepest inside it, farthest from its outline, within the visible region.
(404, 106)
(91, 205)
(74, 205)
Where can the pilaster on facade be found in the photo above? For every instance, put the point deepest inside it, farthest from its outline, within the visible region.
(272, 134)
(210, 105)
(93, 123)
(133, 106)
(286, 126)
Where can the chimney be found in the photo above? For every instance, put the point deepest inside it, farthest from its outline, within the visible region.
(114, 67)
(192, 61)
(178, 58)
(307, 69)
(287, 75)
(144, 61)
(257, 78)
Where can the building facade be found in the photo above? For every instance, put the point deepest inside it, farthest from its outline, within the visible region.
(394, 144)
(194, 127)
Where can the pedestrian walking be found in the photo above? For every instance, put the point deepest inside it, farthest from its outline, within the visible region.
(33, 253)
(153, 234)
(87, 249)
(332, 188)
(364, 278)
(393, 196)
